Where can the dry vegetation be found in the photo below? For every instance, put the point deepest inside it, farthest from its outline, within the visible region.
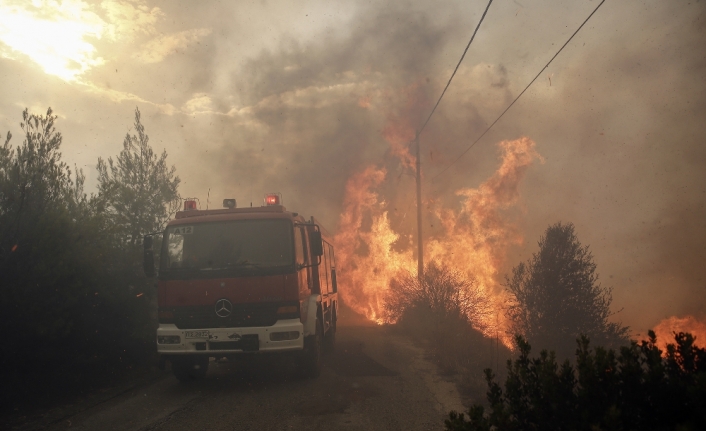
(447, 312)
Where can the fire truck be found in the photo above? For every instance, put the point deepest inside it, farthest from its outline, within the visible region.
(239, 282)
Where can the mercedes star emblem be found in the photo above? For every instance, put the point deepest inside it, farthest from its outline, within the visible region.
(223, 308)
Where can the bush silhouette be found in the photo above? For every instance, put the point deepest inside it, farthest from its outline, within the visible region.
(639, 388)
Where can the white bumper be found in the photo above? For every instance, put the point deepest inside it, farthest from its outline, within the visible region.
(226, 341)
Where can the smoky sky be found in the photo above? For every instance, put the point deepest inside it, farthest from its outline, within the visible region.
(295, 97)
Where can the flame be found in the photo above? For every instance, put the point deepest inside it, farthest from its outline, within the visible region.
(366, 256)
(666, 328)
(474, 241)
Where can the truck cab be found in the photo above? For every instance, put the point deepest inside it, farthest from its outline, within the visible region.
(244, 281)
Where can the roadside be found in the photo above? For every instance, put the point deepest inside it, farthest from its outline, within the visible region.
(379, 377)
(376, 380)
(51, 412)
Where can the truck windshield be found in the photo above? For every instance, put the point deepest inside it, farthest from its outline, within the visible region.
(234, 246)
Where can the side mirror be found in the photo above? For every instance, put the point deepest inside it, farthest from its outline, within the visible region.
(317, 245)
(148, 263)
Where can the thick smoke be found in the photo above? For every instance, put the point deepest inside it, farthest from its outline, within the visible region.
(616, 116)
(297, 98)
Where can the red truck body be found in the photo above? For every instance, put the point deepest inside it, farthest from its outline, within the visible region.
(244, 282)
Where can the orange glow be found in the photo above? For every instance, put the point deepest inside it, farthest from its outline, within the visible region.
(474, 240)
(666, 328)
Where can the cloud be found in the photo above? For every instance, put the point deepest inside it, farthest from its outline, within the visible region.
(160, 47)
(200, 103)
(130, 18)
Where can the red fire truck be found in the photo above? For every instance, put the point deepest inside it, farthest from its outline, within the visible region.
(243, 281)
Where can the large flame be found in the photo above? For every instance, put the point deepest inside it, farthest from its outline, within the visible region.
(666, 328)
(474, 239)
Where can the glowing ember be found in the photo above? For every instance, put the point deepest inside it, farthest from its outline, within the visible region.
(666, 328)
(474, 240)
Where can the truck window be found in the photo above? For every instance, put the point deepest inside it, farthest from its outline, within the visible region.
(332, 269)
(324, 277)
(300, 246)
(229, 245)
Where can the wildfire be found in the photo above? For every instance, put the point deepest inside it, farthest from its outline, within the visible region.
(474, 239)
(666, 328)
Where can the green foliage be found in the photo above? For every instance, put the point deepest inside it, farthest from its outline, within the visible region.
(557, 297)
(636, 389)
(73, 301)
(38, 200)
(138, 190)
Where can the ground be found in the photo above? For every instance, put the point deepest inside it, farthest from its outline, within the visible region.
(376, 380)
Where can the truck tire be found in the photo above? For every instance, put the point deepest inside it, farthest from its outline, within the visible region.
(330, 337)
(311, 361)
(190, 369)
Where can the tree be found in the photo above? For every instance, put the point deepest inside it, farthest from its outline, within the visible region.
(33, 178)
(138, 190)
(69, 305)
(556, 296)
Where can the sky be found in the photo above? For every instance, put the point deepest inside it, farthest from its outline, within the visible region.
(298, 96)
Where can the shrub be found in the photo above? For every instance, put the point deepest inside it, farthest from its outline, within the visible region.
(636, 389)
(444, 293)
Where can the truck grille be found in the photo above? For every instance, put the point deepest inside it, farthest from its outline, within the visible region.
(242, 316)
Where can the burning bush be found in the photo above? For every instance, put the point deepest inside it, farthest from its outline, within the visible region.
(442, 294)
(449, 313)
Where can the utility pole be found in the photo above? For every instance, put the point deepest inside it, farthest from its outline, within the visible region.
(420, 245)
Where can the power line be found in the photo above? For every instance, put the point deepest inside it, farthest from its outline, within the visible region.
(459, 64)
(520, 95)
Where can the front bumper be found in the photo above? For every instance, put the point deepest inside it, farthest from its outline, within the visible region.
(229, 341)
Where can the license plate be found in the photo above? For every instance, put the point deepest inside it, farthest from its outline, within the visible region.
(196, 334)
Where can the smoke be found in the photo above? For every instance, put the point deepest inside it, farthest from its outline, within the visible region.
(301, 97)
(618, 125)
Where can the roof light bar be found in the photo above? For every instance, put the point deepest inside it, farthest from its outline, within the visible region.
(273, 199)
(189, 205)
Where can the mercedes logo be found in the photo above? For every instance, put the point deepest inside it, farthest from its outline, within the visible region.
(223, 308)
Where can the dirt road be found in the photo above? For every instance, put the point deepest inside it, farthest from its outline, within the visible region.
(376, 380)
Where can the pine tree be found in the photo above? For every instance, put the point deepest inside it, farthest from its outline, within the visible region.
(557, 297)
(138, 190)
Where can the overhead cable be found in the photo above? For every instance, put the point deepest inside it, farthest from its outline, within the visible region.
(520, 95)
(459, 63)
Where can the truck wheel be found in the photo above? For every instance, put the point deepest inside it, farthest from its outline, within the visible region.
(330, 337)
(190, 369)
(311, 362)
